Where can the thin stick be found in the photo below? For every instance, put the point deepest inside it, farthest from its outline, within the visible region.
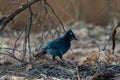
(15, 13)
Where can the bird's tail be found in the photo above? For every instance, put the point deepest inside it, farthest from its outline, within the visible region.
(40, 54)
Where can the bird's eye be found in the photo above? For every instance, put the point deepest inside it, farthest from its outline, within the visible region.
(71, 33)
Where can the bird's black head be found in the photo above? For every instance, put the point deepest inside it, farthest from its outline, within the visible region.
(70, 35)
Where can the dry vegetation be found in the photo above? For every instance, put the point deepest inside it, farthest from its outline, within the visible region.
(95, 56)
(85, 62)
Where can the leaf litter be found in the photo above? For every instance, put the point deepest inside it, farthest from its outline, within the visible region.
(91, 58)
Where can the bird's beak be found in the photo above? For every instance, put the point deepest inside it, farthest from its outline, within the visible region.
(76, 38)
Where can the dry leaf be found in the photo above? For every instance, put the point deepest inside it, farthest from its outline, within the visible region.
(29, 67)
(92, 58)
(104, 56)
(81, 61)
(5, 59)
(11, 78)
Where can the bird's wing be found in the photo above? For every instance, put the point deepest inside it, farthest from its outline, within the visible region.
(59, 45)
(48, 45)
(56, 43)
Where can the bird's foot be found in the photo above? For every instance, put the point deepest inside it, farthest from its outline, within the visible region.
(61, 62)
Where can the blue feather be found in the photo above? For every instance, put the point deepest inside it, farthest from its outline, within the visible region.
(59, 46)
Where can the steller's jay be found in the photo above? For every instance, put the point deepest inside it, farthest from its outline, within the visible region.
(59, 46)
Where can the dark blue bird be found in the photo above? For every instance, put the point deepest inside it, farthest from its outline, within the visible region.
(59, 46)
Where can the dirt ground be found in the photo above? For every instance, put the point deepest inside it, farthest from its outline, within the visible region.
(91, 41)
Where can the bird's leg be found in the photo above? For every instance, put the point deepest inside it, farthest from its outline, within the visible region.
(61, 57)
(62, 61)
(53, 57)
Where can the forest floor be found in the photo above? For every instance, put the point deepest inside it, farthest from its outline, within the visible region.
(90, 58)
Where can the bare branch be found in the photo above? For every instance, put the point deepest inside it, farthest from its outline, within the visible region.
(18, 11)
(113, 36)
(55, 14)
